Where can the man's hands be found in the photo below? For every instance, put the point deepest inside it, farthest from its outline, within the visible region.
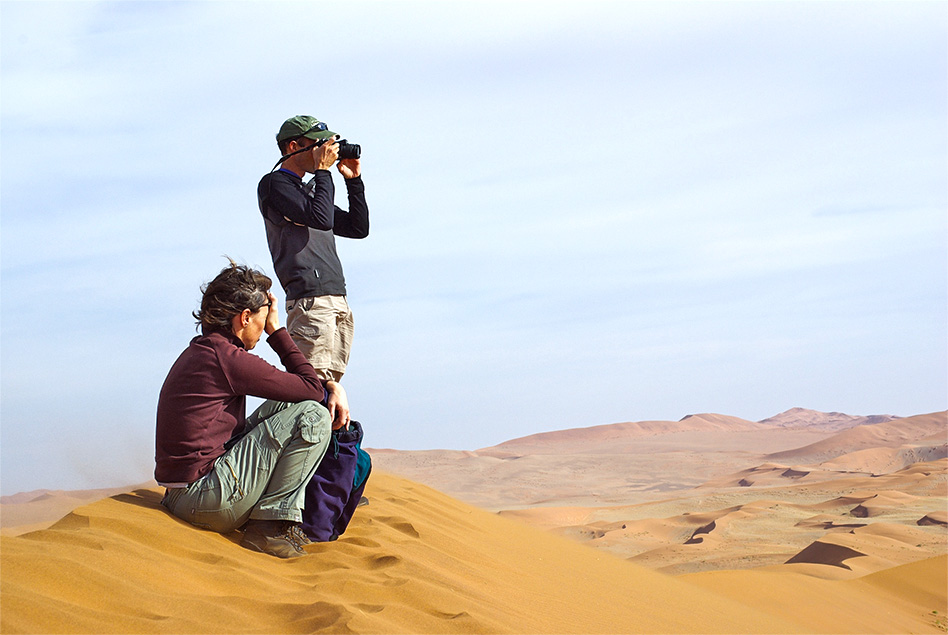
(326, 154)
(350, 168)
(273, 316)
(338, 405)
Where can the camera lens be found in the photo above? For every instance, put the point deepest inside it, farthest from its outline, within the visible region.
(349, 150)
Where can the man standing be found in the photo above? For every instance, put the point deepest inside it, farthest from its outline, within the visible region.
(302, 222)
(220, 468)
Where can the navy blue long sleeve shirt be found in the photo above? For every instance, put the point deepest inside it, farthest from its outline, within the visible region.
(302, 223)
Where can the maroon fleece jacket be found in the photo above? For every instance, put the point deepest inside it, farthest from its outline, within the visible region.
(203, 400)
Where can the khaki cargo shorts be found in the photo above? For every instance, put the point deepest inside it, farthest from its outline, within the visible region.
(322, 328)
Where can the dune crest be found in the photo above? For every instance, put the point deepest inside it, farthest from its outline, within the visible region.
(614, 437)
(414, 560)
(850, 521)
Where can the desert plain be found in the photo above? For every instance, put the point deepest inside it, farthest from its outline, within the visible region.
(806, 522)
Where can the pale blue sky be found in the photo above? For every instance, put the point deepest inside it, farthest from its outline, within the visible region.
(582, 213)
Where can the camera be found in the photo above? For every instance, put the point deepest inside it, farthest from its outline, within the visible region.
(349, 150)
(346, 150)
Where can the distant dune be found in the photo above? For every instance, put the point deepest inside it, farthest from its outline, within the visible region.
(885, 460)
(636, 462)
(613, 438)
(707, 493)
(803, 418)
(888, 434)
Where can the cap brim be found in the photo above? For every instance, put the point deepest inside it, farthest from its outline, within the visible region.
(319, 135)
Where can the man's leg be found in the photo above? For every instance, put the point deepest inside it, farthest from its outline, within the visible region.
(311, 323)
(342, 340)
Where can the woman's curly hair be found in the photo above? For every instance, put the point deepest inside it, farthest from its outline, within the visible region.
(236, 287)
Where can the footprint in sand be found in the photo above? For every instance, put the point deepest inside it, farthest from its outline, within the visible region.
(360, 542)
(383, 562)
(401, 525)
(452, 616)
(207, 558)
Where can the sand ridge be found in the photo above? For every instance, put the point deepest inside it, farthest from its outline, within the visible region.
(31, 511)
(413, 561)
(836, 545)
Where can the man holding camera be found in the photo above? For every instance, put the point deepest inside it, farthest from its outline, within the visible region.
(302, 222)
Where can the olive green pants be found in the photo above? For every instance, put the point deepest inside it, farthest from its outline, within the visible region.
(263, 476)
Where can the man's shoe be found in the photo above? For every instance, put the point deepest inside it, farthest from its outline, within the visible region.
(271, 537)
(295, 530)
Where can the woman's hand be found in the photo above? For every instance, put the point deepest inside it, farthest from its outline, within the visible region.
(338, 405)
(273, 316)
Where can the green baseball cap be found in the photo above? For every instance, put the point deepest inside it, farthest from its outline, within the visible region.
(304, 126)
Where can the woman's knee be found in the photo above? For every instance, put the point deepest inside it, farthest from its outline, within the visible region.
(314, 423)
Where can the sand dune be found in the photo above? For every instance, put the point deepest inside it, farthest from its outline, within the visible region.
(38, 509)
(868, 549)
(634, 462)
(855, 540)
(613, 438)
(824, 604)
(939, 517)
(413, 561)
(735, 527)
(886, 459)
(650, 505)
(772, 475)
(619, 470)
(893, 433)
(803, 418)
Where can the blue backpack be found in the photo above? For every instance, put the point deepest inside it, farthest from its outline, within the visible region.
(336, 488)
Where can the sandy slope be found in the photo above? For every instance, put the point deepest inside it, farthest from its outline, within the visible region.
(832, 606)
(414, 561)
(853, 541)
(31, 511)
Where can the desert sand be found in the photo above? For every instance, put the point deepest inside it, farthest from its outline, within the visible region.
(713, 527)
(715, 492)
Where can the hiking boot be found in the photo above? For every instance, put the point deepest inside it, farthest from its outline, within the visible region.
(295, 530)
(272, 537)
